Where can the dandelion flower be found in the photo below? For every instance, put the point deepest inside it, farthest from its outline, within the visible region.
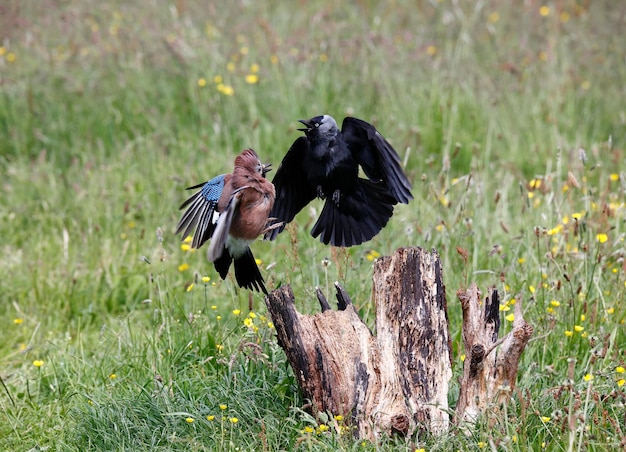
(210, 417)
(308, 429)
(620, 370)
(602, 238)
(339, 418)
(183, 267)
(189, 287)
(113, 376)
(569, 333)
(588, 377)
(254, 68)
(431, 50)
(323, 427)
(494, 17)
(510, 317)
(201, 82)
(252, 79)
(236, 311)
(544, 10)
(233, 420)
(223, 406)
(579, 328)
(38, 363)
(18, 321)
(545, 419)
(621, 382)
(206, 279)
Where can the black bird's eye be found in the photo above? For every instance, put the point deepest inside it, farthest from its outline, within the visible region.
(317, 124)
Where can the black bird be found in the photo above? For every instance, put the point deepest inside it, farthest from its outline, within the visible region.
(325, 164)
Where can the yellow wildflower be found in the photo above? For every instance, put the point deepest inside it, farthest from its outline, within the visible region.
(252, 79)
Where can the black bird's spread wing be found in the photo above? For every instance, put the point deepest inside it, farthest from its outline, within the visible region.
(293, 190)
(201, 208)
(377, 157)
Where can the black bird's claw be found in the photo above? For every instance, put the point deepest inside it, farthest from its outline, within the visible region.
(320, 192)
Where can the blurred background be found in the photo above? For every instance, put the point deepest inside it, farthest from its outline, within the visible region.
(508, 117)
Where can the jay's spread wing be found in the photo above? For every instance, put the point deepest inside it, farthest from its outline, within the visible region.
(220, 236)
(377, 157)
(293, 190)
(201, 210)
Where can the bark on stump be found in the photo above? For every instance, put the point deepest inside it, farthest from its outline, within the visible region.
(396, 381)
(488, 375)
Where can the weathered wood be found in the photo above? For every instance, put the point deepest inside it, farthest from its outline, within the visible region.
(394, 382)
(488, 374)
(397, 380)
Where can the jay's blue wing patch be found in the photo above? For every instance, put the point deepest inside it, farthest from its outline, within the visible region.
(201, 211)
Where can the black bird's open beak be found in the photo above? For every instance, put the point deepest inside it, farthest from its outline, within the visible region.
(308, 125)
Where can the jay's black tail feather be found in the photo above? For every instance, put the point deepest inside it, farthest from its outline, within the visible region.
(247, 272)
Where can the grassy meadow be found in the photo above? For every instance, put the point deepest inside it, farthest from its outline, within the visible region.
(511, 122)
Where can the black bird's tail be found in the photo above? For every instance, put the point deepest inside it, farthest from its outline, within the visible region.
(247, 272)
(357, 217)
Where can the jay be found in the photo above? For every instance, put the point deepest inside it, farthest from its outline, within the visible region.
(232, 210)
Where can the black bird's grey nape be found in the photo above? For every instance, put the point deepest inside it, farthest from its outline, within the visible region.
(325, 163)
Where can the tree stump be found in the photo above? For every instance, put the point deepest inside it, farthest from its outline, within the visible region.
(397, 380)
(394, 382)
(488, 376)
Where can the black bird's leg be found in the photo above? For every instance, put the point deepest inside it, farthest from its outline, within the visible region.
(320, 192)
(336, 197)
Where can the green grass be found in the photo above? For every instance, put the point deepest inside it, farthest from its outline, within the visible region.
(104, 122)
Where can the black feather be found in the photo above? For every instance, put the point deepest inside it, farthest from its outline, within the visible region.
(325, 163)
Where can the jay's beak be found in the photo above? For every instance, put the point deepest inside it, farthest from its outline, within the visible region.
(266, 168)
